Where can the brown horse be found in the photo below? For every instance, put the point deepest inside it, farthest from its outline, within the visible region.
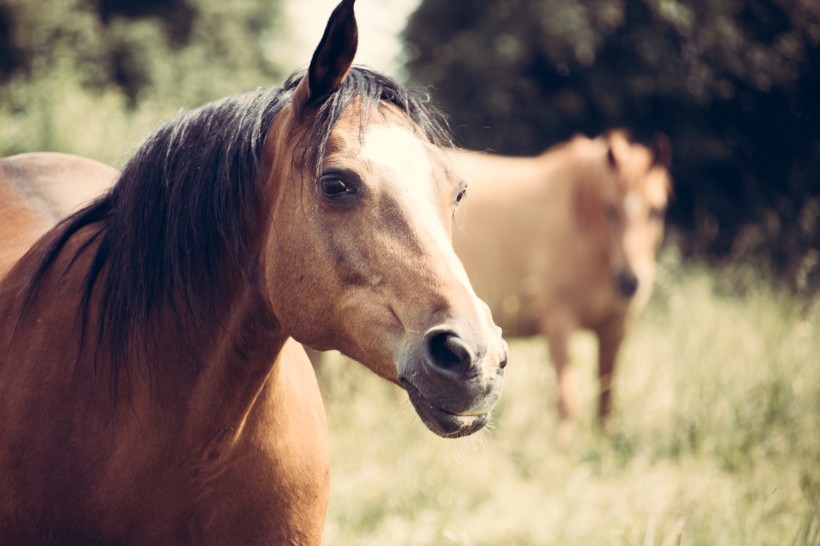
(149, 389)
(37, 190)
(566, 240)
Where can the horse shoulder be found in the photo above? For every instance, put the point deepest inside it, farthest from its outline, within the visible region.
(572, 274)
(505, 235)
(44, 465)
(274, 486)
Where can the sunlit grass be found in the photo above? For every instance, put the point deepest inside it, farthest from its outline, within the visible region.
(715, 439)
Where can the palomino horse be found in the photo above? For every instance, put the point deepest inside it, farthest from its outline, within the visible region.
(37, 190)
(566, 240)
(149, 389)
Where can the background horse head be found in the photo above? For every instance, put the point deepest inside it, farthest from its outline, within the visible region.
(566, 240)
(620, 207)
(146, 338)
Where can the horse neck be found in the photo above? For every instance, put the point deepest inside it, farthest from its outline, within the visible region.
(223, 365)
(209, 369)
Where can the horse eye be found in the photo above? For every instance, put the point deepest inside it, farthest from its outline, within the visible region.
(461, 193)
(333, 186)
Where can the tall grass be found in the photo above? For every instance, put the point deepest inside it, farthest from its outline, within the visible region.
(715, 438)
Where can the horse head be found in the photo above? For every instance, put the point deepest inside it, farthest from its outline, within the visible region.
(634, 206)
(358, 256)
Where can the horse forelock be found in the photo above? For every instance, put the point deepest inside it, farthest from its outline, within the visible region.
(183, 213)
(625, 170)
(588, 164)
(635, 163)
(372, 90)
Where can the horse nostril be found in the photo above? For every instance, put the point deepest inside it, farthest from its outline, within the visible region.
(627, 284)
(448, 351)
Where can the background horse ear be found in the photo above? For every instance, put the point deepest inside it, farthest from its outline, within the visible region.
(331, 60)
(662, 149)
(617, 141)
(610, 156)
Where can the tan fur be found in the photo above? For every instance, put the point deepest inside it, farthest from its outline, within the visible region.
(546, 241)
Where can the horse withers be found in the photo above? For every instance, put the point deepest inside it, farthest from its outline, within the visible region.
(566, 240)
(150, 391)
(39, 189)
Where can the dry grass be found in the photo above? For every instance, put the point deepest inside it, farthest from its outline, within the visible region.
(715, 439)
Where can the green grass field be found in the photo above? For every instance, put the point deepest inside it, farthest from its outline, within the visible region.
(715, 438)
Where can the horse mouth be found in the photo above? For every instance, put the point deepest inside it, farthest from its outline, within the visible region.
(441, 421)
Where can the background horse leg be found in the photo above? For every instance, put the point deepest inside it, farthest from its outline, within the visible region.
(557, 331)
(609, 343)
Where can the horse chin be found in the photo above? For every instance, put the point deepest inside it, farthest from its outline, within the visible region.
(440, 421)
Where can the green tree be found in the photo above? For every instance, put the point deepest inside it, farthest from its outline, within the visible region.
(735, 84)
(74, 73)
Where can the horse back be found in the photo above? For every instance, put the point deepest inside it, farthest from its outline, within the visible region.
(39, 189)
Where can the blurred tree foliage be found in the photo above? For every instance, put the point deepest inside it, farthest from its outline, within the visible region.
(77, 74)
(735, 84)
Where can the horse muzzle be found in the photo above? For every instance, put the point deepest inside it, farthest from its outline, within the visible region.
(626, 282)
(453, 382)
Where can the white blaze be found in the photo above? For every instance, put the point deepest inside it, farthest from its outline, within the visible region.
(632, 205)
(402, 163)
(401, 152)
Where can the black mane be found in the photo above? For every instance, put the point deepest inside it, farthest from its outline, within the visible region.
(183, 215)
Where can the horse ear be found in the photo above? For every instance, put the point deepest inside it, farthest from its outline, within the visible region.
(662, 149)
(331, 60)
(610, 156)
(607, 138)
